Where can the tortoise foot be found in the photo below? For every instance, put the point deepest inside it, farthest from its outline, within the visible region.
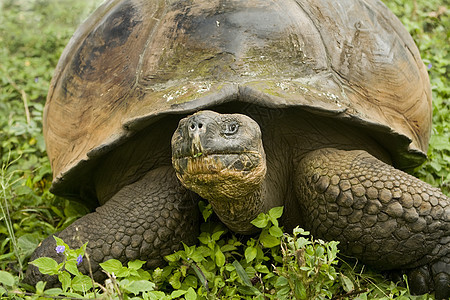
(145, 220)
(435, 276)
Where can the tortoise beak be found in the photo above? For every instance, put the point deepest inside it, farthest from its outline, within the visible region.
(196, 126)
(196, 146)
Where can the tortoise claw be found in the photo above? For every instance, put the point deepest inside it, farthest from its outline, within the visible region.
(427, 278)
(419, 280)
(441, 279)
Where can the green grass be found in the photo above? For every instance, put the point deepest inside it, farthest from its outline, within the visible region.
(32, 37)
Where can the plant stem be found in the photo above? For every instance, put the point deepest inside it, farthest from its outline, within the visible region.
(22, 93)
(6, 184)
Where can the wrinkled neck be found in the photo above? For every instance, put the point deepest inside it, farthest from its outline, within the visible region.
(237, 213)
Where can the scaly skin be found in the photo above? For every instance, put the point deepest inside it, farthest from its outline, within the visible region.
(146, 220)
(383, 216)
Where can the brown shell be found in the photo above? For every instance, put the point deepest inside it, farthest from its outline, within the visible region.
(135, 60)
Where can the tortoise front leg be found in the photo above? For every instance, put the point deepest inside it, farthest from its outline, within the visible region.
(381, 215)
(145, 220)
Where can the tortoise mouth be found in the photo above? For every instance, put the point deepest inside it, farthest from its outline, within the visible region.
(217, 162)
(221, 176)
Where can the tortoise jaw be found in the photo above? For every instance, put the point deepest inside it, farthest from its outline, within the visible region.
(221, 176)
(199, 162)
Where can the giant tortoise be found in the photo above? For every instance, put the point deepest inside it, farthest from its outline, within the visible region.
(315, 105)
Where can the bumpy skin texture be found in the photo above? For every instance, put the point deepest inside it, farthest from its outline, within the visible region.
(381, 215)
(146, 220)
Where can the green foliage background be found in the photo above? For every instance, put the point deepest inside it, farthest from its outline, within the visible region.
(32, 37)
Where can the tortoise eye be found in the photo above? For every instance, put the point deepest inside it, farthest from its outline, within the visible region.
(231, 128)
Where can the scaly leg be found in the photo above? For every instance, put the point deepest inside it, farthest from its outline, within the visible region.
(145, 220)
(381, 215)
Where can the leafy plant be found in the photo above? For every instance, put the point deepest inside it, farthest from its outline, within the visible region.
(69, 276)
(275, 265)
(308, 270)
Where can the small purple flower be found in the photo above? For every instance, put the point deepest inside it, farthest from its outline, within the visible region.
(36, 79)
(60, 249)
(79, 259)
(429, 66)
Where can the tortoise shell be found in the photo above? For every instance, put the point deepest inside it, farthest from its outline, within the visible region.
(133, 61)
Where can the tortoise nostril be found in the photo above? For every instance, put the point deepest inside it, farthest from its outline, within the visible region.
(196, 125)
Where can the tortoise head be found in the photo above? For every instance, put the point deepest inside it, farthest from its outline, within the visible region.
(219, 156)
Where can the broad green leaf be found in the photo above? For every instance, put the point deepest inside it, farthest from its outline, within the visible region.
(276, 212)
(177, 293)
(191, 281)
(261, 221)
(440, 142)
(156, 295)
(250, 254)
(262, 269)
(275, 231)
(172, 257)
(302, 242)
(175, 280)
(40, 286)
(81, 283)
(53, 292)
(115, 266)
(197, 255)
(284, 291)
(187, 250)
(220, 257)
(320, 251)
(347, 284)
(143, 275)
(191, 294)
(216, 235)
(28, 243)
(2, 291)
(46, 265)
(71, 267)
(228, 248)
(65, 280)
(139, 286)
(135, 264)
(268, 240)
(6, 278)
(204, 238)
(111, 266)
(281, 282)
